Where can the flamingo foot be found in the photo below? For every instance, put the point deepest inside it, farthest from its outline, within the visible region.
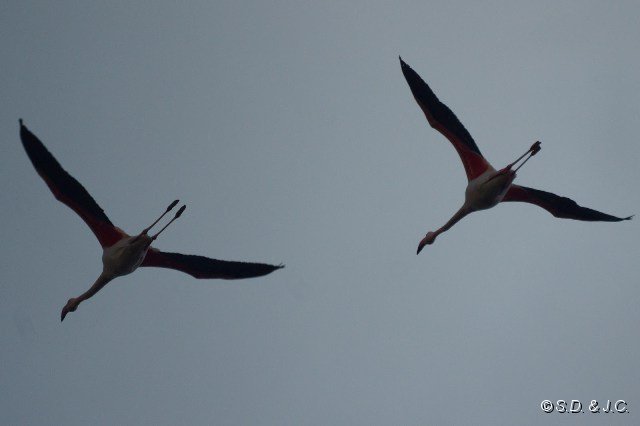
(535, 148)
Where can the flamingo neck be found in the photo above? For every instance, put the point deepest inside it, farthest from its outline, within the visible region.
(100, 282)
(462, 212)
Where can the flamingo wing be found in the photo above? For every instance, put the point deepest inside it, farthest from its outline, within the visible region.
(68, 190)
(558, 206)
(204, 267)
(441, 118)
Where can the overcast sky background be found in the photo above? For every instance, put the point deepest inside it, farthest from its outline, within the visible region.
(288, 129)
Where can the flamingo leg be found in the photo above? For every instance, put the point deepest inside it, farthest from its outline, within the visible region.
(178, 213)
(171, 206)
(532, 151)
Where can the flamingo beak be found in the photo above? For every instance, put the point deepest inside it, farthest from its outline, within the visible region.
(421, 245)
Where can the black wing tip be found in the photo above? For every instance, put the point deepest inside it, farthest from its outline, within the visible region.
(409, 73)
(610, 218)
(24, 130)
(25, 133)
(404, 65)
(266, 270)
(416, 83)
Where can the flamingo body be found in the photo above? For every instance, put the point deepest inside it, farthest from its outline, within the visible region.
(126, 255)
(488, 189)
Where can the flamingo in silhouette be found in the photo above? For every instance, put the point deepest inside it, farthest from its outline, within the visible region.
(486, 186)
(123, 253)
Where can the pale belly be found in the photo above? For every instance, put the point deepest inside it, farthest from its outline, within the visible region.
(124, 256)
(487, 190)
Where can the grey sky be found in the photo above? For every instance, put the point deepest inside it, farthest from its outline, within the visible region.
(288, 129)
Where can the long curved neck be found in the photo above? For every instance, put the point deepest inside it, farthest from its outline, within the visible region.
(462, 212)
(102, 280)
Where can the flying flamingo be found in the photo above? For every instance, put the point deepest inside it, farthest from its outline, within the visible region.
(123, 253)
(487, 187)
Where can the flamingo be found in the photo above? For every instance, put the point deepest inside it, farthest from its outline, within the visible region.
(487, 187)
(122, 253)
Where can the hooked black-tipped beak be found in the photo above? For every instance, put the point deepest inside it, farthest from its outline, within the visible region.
(427, 239)
(70, 306)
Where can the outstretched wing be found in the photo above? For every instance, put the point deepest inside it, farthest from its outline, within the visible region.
(204, 267)
(442, 119)
(558, 206)
(68, 190)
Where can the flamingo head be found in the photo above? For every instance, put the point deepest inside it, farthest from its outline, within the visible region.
(428, 239)
(71, 306)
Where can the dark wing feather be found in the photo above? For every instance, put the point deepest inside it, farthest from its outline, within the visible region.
(558, 206)
(68, 190)
(442, 119)
(204, 267)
